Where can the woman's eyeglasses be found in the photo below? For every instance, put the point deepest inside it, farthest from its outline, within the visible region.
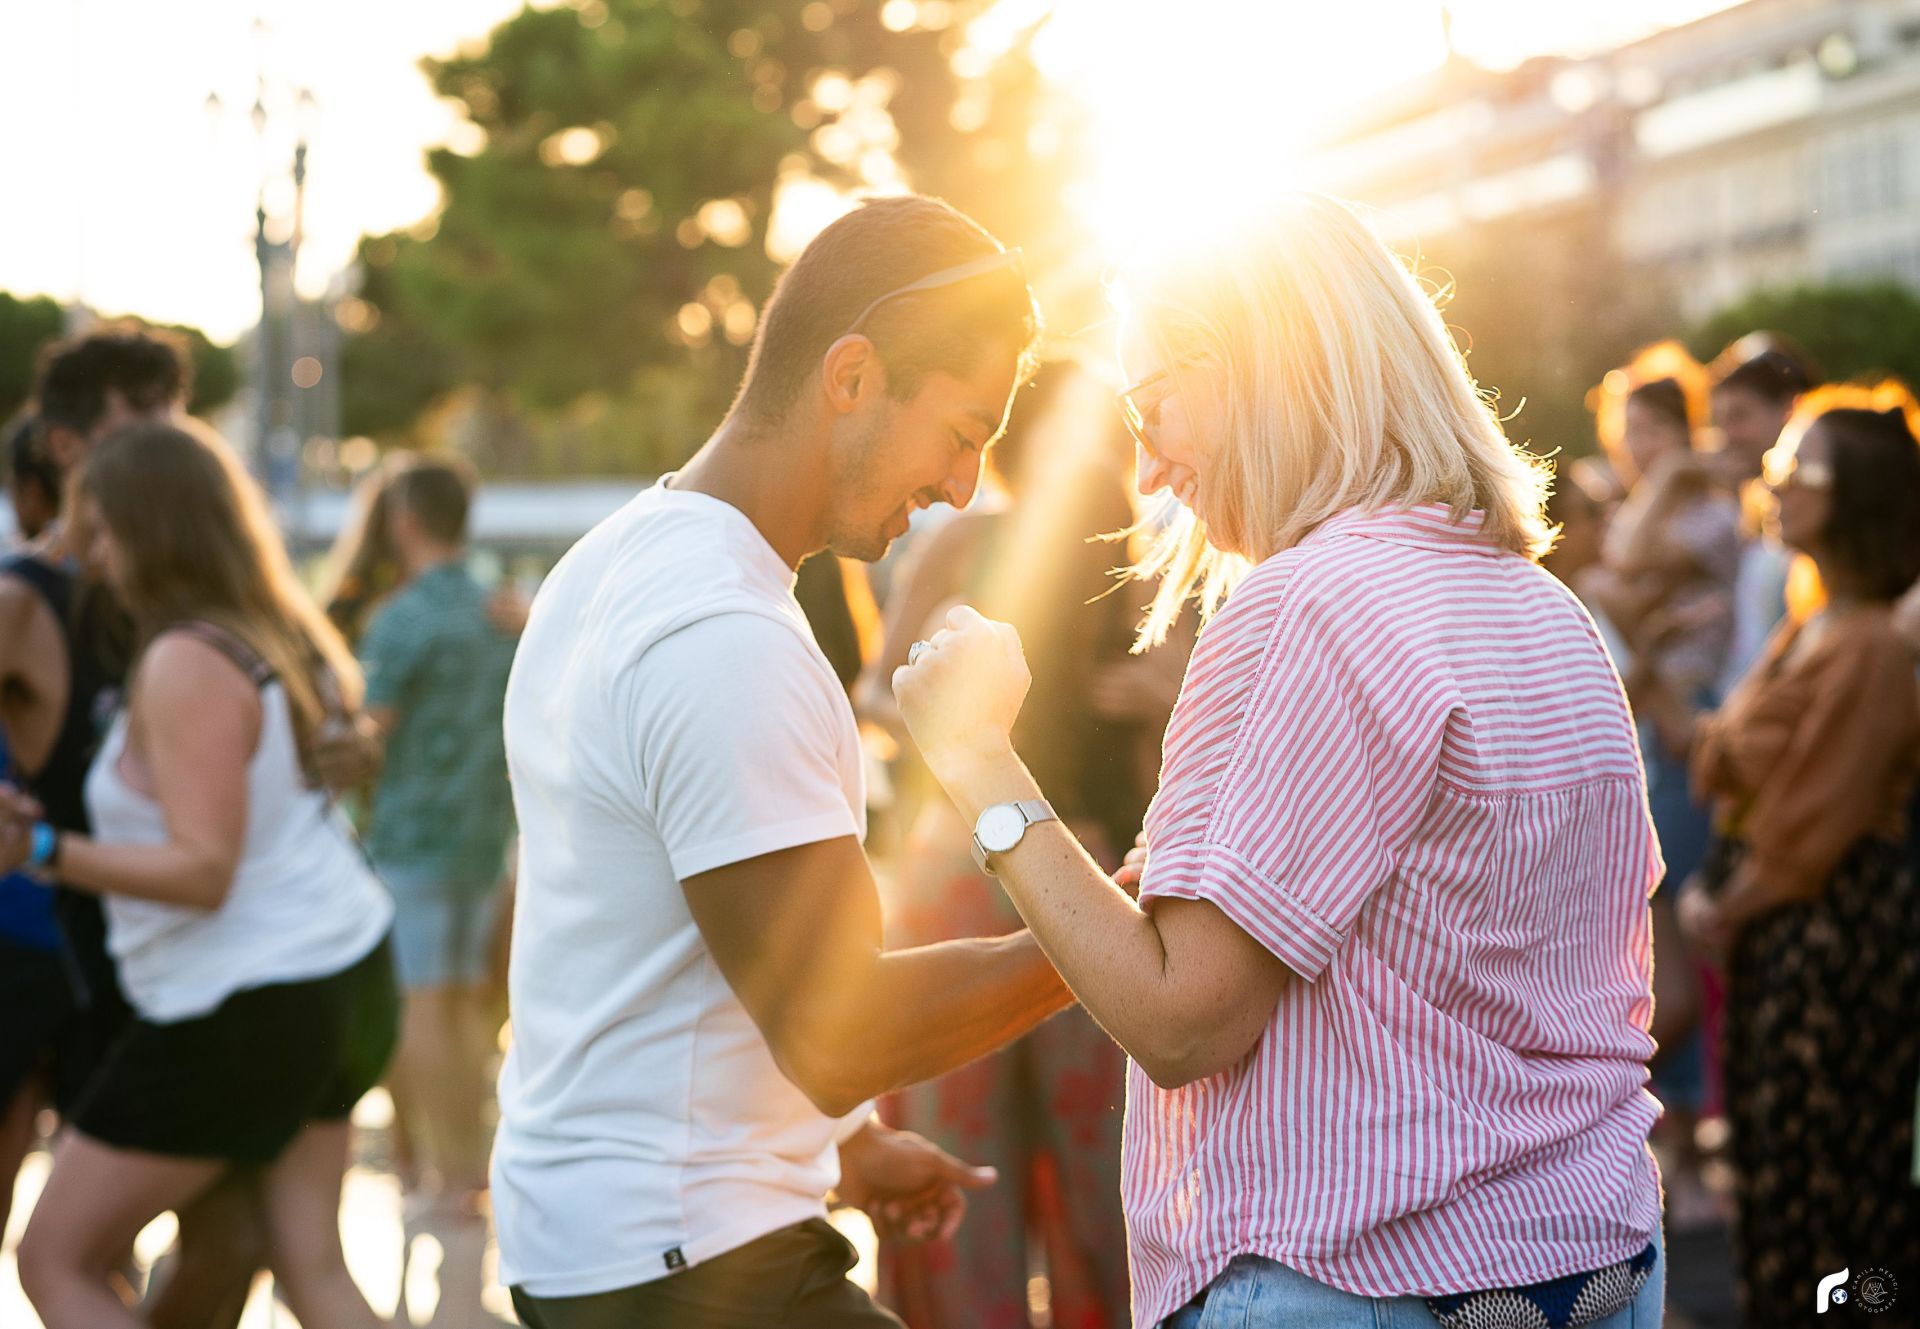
(1139, 417)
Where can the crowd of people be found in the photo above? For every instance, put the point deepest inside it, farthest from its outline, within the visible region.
(1360, 920)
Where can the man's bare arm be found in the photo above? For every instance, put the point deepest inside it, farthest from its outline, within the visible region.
(797, 935)
(32, 695)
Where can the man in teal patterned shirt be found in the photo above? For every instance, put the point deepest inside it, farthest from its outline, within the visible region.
(442, 815)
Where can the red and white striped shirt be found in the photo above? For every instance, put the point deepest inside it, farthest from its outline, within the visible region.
(1402, 762)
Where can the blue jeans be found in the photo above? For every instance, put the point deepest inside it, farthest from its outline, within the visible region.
(1258, 1293)
(443, 931)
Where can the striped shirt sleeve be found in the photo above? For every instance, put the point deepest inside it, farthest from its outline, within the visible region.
(1298, 765)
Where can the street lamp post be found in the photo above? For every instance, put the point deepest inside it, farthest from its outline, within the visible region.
(280, 418)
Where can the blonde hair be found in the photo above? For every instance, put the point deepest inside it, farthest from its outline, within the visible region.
(1339, 388)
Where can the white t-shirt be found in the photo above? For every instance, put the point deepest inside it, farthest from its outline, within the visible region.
(669, 713)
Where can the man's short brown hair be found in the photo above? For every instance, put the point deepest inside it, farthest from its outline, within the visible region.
(437, 491)
(879, 247)
(149, 368)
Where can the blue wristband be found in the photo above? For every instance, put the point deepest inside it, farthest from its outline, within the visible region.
(46, 842)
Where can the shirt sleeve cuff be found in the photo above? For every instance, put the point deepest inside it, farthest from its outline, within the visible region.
(1258, 905)
(854, 1122)
(692, 860)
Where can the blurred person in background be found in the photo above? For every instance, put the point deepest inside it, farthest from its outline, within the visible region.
(249, 935)
(1581, 519)
(363, 565)
(1756, 383)
(37, 997)
(1385, 987)
(839, 607)
(1666, 586)
(1672, 550)
(1809, 898)
(1045, 1112)
(33, 480)
(64, 646)
(440, 819)
(35, 990)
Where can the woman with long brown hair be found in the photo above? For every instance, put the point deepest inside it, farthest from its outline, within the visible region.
(248, 933)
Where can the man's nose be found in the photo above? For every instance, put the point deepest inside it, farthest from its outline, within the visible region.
(963, 482)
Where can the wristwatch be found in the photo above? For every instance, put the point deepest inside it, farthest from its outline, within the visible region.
(1003, 826)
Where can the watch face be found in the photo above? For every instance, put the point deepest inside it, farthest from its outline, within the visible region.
(1000, 828)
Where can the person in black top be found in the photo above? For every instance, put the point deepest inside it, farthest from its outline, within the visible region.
(33, 481)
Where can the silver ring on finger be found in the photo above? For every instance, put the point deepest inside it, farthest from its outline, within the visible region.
(915, 651)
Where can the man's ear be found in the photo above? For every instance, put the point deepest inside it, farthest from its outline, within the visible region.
(851, 372)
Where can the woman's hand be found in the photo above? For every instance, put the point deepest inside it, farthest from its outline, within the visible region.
(1133, 867)
(18, 814)
(960, 701)
(912, 1189)
(348, 752)
(1704, 923)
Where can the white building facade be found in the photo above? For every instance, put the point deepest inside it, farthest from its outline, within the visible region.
(1772, 143)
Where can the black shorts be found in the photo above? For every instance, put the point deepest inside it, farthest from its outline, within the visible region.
(240, 1083)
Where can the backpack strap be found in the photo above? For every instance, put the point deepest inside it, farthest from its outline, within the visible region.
(249, 660)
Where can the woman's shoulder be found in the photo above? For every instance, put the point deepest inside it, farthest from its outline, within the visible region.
(188, 665)
(1300, 600)
(1862, 642)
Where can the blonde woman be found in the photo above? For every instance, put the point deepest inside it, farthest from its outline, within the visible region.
(1386, 985)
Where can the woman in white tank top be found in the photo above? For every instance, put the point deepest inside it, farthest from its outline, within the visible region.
(249, 934)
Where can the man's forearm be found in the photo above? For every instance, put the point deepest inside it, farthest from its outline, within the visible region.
(932, 1009)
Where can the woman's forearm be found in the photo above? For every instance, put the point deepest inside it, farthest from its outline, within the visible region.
(167, 873)
(1108, 949)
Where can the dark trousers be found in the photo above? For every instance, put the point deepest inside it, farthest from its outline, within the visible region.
(795, 1278)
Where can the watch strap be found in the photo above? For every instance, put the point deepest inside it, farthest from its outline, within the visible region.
(1037, 810)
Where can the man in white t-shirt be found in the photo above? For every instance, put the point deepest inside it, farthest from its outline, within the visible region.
(702, 1006)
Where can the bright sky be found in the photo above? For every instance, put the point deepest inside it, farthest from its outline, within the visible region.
(122, 189)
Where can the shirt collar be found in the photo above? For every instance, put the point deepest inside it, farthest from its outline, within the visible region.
(1424, 526)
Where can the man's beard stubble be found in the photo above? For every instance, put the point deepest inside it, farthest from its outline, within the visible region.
(856, 492)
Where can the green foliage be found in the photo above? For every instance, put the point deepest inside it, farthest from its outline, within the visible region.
(553, 277)
(216, 369)
(25, 326)
(1851, 331)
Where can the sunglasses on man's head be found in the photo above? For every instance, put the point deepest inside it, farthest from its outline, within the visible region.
(979, 267)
